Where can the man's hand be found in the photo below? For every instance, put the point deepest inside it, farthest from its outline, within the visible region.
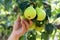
(20, 27)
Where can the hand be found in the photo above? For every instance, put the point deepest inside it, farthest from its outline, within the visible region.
(20, 27)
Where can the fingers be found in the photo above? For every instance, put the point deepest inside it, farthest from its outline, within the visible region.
(22, 23)
(26, 24)
(23, 27)
(30, 22)
(20, 31)
(17, 23)
(18, 19)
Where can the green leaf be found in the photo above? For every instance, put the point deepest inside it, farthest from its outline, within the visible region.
(39, 3)
(7, 4)
(31, 35)
(44, 36)
(1, 1)
(49, 28)
(47, 8)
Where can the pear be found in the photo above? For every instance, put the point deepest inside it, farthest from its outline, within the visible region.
(40, 29)
(40, 14)
(32, 26)
(30, 13)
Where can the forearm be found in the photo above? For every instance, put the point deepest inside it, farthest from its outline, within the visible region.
(13, 37)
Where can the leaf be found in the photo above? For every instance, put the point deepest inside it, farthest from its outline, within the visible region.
(44, 36)
(49, 28)
(24, 5)
(39, 3)
(58, 15)
(7, 4)
(47, 9)
(22, 38)
(2, 2)
(31, 35)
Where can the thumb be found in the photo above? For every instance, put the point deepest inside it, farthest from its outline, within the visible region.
(17, 23)
(18, 18)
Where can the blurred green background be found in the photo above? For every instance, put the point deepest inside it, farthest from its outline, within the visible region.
(9, 9)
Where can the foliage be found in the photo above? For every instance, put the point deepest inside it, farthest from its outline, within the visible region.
(9, 9)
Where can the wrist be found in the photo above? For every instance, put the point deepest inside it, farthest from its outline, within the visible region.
(13, 37)
(15, 34)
